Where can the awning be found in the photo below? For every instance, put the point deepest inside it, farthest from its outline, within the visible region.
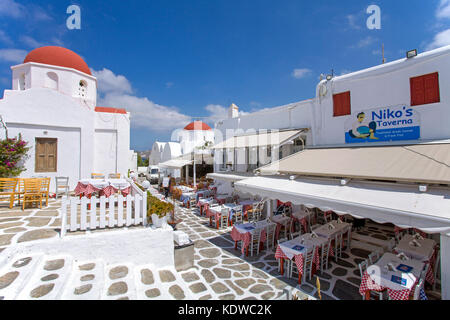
(175, 164)
(424, 163)
(258, 140)
(401, 205)
(229, 176)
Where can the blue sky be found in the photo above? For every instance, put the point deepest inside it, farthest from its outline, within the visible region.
(170, 61)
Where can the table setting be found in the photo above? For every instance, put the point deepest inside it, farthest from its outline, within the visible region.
(242, 232)
(296, 249)
(398, 274)
(106, 187)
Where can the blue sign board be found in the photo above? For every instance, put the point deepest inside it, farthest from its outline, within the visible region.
(383, 124)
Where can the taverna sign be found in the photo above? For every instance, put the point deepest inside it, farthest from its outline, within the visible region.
(383, 124)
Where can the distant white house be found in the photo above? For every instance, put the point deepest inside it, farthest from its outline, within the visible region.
(53, 104)
(187, 140)
(156, 153)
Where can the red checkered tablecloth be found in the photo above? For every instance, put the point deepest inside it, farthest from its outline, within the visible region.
(89, 189)
(367, 284)
(246, 237)
(298, 259)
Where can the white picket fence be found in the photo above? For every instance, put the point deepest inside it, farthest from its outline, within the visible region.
(76, 212)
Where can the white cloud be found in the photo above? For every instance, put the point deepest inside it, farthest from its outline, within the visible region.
(351, 19)
(440, 40)
(363, 43)
(31, 42)
(116, 91)
(5, 38)
(301, 73)
(169, 85)
(10, 8)
(145, 113)
(443, 11)
(12, 55)
(216, 113)
(108, 82)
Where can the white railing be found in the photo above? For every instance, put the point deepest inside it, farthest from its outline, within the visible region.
(115, 211)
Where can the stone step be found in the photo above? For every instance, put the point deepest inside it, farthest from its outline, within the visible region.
(15, 274)
(86, 281)
(119, 283)
(49, 279)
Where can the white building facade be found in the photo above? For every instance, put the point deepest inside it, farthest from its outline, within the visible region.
(377, 148)
(53, 105)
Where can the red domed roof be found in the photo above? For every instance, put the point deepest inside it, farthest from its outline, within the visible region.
(197, 125)
(58, 56)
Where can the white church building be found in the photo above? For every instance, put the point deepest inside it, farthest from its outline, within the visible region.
(53, 104)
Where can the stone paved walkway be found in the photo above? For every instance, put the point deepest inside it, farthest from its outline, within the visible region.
(18, 226)
(219, 272)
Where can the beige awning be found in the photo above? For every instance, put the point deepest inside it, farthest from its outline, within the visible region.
(401, 204)
(258, 140)
(175, 163)
(424, 163)
(230, 176)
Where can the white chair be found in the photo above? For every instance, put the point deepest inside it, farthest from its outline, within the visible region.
(338, 246)
(324, 255)
(192, 203)
(238, 215)
(62, 186)
(436, 268)
(294, 235)
(270, 235)
(307, 265)
(363, 267)
(373, 257)
(347, 237)
(419, 286)
(224, 216)
(255, 241)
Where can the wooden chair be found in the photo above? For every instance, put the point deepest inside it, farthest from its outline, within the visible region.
(255, 242)
(238, 215)
(324, 255)
(114, 176)
(32, 192)
(8, 190)
(62, 186)
(270, 235)
(97, 176)
(45, 186)
(224, 216)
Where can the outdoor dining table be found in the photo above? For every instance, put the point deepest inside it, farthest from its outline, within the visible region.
(242, 232)
(105, 186)
(398, 282)
(203, 194)
(425, 251)
(204, 204)
(281, 221)
(217, 211)
(297, 248)
(302, 217)
(186, 196)
(331, 229)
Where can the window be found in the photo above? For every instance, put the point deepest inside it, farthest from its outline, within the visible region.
(51, 81)
(46, 155)
(269, 151)
(425, 89)
(82, 89)
(342, 104)
(22, 82)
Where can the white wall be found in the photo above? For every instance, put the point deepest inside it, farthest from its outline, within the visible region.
(384, 86)
(36, 76)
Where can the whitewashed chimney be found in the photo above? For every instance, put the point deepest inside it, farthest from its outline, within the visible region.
(233, 111)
